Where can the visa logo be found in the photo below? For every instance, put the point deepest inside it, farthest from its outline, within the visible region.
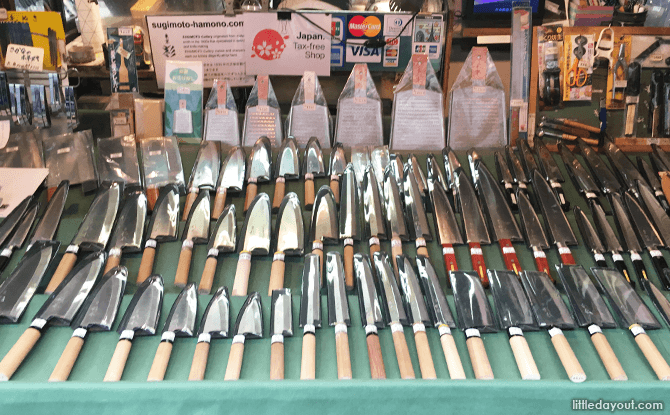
(360, 53)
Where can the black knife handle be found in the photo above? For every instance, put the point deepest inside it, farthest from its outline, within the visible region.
(600, 260)
(640, 270)
(4, 260)
(621, 266)
(664, 203)
(560, 195)
(660, 265)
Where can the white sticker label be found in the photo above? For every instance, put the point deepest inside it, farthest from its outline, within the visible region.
(555, 332)
(448, 250)
(155, 153)
(539, 254)
(24, 57)
(239, 338)
(397, 327)
(116, 155)
(634, 256)
(564, 250)
(599, 257)
(168, 336)
(279, 256)
(444, 329)
(125, 31)
(617, 257)
(63, 150)
(204, 338)
(476, 251)
(340, 328)
(127, 335)
(472, 333)
(277, 338)
(79, 332)
(418, 327)
(593, 329)
(655, 253)
(508, 250)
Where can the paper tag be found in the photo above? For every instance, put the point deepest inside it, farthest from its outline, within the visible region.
(63, 150)
(263, 84)
(245, 256)
(38, 323)
(564, 250)
(72, 249)
(11, 149)
(168, 336)
(539, 254)
(151, 243)
(397, 327)
(478, 89)
(593, 329)
(555, 331)
(4, 133)
(514, 331)
(340, 328)
(655, 253)
(448, 250)
(472, 333)
(360, 77)
(508, 250)
(262, 108)
(418, 327)
(634, 256)
(239, 338)
(187, 244)
(476, 251)
(221, 93)
(370, 329)
(279, 256)
(277, 338)
(419, 64)
(636, 329)
(309, 85)
(182, 90)
(309, 328)
(213, 253)
(221, 111)
(617, 257)
(419, 92)
(444, 329)
(79, 332)
(24, 57)
(374, 241)
(125, 31)
(116, 155)
(479, 67)
(360, 100)
(317, 245)
(516, 103)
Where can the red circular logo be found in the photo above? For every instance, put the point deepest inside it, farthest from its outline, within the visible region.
(365, 26)
(268, 44)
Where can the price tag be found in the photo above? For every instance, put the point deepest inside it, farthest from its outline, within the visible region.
(125, 31)
(24, 57)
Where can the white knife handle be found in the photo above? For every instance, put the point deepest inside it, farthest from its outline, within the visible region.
(67, 359)
(241, 283)
(118, 362)
(567, 356)
(160, 363)
(522, 355)
(451, 356)
(64, 267)
(13, 359)
(199, 364)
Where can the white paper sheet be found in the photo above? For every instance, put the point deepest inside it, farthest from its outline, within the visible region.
(17, 184)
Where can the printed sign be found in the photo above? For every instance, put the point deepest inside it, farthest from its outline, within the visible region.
(24, 57)
(428, 36)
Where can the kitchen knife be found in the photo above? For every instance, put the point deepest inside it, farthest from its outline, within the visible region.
(313, 168)
(96, 314)
(205, 173)
(589, 310)
(656, 212)
(453, 169)
(380, 159)
(415, 212)
(59, 310)
(659, 159)
(520, 177)
(660, 301)
(394, 216)
(163, 227)
(434, 175)
(535, 236)
(360, 159)
(656, 118)
(473, 161)
(502, 220)
(338, 312)
(551, 172)
(440, 315)
(196, 231)
(552, 314)
(223, 239)
(140, 319)
(373, 211)
(416, 311)
(92, 234)
(609, 238)
(448, 232)
(20, 233)
(557, 224)
(590, 237)
(393, 312)
(371, 314)
(310, 312)
(289, 239)
(514, 316)
(580, 177)
(13, 218)
(662, 156)
(652, 180)
(506, 179)
(254, 240)
(413, 162)
(634, 315)
(474, 317)
(606, 180)
(623, 167)
(47, 226)
(281, 325)
(215, 324)
(338, 162)
(287, 168)
(397, 166)
(231, 178)
(129, 229)
(179, 323)
(630, 239)
(349, 221)
(161, 162)
(323, 226)
(527, 159)
(474, 225)
(260, 169)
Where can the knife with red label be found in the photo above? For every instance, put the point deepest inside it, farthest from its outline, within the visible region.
(474, 225)
(448, 232)
(535, 236)
(551, 172)
(608, 238)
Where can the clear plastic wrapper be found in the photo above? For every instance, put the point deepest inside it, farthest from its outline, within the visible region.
(262, 116)
(221, 120)
(418, 109)
(161, 163)
(309, 116)
(70, 157)
(588, 307)
(381, 158)
(23, 149)
(477, 115)
(359, 111)
(512, 306)
(472, 305)
(548, 306)
(117, 161)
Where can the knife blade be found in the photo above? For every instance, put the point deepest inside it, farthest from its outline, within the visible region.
(249, 325)
(162, 165)
(338, 312)
(289, 240)
(623, 167)
(13, 218)
(448, 232)
(474, 317)
(590, 237)
(129, 229)
(514, 316)
(440, 315)
(205, 173)
(608, 237)
(473, 160)
(281, 325)
(590, 311)
(223, 239)
(196, 231)
(393, 214)
(180, 322)
(416, 311)
(163, 227)
(474, 225)
(349, 220)
(656, 212)
(415, 212)
(373, 212)
(96, 314)
(59, 310)
(660, 301)
(310, 312)
(662, 156)
(231, 178)
(506, 179)
(413, 162)
(606, 180)
(92, 234)
(371, 314)
(535, 236)
(323, 226)
(397, 166)
(287, 168)
(434, 175)
(254, 240)
(140, 319)
(313, 168)
(20, 233)
(360, 159)
(527, 159)
(520, 178)
(380, 159)
(502, 220)
(580, 177)
(453, 168)
(630, 238)
(552, 314)
(652, 179)
(551, 172)
(47, 226)
(338, 162)
(260, 169)
(215, 324)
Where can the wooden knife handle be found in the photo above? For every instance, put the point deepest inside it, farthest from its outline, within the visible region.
(13, 359)
(609, 359)
(478, 263)
(252, 189)
(568, 359)
(396, 249)
(665, 183)
(280, 190)
(451, 356)
(421, 247)
(190, 198)
(335, 187)
(349, 266)
(234, 367)
(277, 273)
(577, 124)
(146, 265)
(219, 203)
(566, 255)
(509, 255)
(241, 283)
(183, 266)
(524, 358)
(375, 247)
(402, 352)
(309, 194)
(67, 360)
(375, 357)
(423, 353)
(479, 358)
(277, 361)
(651, 353)
(152, 197)
(342, 352)
(64, 267)
(319, 252)
(160, 363)
(199, 364)
(208, 273)
(449, 258)
(112, 261)
(118, 362)
(308, 360)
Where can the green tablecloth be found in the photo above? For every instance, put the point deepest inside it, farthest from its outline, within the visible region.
(29, 392)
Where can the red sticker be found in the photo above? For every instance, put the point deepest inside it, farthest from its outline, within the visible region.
(221, 92)
(419, 63)
(262, 81)
(360, 76)
(479, 55)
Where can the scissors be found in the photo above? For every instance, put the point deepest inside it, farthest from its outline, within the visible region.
(576, 75)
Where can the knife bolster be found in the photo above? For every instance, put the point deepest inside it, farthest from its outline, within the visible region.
(478, 356)
(308, 359)
(607, 356)
(423, 352)
(522, 355)
(567, 356)
(651, 353)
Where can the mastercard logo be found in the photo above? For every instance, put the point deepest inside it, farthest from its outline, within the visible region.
(365, 26)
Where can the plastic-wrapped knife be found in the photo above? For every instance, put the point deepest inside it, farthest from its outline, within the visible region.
(608, 238)
(623, 168)
(349, 220)
(360, 159)
(371, 314)
(281, 326)
(20, 234)
(287, 168)
(415, 212)
(373, 213)
(310, 313)
(580, 177)
(259, 170)
(129, 229)
(223, 239)
(590, 311)
(289, 238)
(140, 319)
(590, 237)
(434, 175)
(196, 231)
(630, 239)
(413, 162)
(313, 167)
(249, 325)
(506, 178)
(338, 312)
(397, 167)
(338, 162)
(254, 240)
(205, 173)
(48, 225)
(535, 236)
(551, 172)
(527, 159)
(231, 178)
(323, 227)
(13, 218)
(653, 180)
(606, 180)
(380, 158)
(448, 232)
(656, 212)
(394, 216)
(474, 225)
(215, 324)
(453, 168)
(520, 177)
